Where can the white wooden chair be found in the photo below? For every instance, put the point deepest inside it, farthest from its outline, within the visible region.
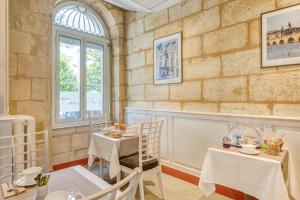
(25, 150)
(148, 158)
(97, 123)
(113, 193)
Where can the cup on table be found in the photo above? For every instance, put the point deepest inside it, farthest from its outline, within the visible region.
(30, 173)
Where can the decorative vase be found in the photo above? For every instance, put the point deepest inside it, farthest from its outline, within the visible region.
(41, 191)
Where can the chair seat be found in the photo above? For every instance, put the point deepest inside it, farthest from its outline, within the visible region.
(132, 162)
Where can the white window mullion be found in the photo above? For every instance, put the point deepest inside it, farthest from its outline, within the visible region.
(106, 80)
(82, 79)
(57, 78)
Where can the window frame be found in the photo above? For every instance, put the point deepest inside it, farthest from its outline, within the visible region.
(84, 38)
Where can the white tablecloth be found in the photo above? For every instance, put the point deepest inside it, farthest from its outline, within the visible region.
(292, 141)
(257, 176)
(111, 149)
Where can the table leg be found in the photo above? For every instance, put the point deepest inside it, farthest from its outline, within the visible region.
(119, 177)
(101, 167)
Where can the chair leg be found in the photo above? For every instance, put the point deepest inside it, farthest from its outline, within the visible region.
(141, 186)
(160, 184)
(119, 177)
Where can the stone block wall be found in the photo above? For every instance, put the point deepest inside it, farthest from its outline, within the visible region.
(221, 60)
(221, 64)
(30, 70)
(3, 54)
(70, 144)
(30, 60)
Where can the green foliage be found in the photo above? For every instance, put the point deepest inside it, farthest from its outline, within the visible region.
(68, 79)
(93, 71)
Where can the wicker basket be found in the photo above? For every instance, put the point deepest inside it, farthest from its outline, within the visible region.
(273, 147)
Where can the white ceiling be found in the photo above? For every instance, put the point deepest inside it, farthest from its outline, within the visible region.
(144, 5)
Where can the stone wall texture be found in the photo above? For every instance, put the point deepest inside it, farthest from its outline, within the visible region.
(3, 53)
(30, 70)
(221, 60)
(221, 64)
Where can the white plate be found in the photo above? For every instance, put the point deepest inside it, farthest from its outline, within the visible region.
(129, 135)
(249, 151)
(23, 182)
(58, 195)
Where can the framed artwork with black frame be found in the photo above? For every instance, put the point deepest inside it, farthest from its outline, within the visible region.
(280, 37)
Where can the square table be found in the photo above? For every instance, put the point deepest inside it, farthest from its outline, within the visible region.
(262, 176)
(111, 149)
(76, 179)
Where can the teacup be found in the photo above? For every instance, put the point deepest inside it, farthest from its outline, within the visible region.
(30, 173)
(248, 147)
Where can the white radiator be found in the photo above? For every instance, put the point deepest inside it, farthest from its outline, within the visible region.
(16, 125)
(5, 130)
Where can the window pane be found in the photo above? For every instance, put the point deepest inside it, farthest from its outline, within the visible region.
(94, 71)
(69, 78)
(80, 19)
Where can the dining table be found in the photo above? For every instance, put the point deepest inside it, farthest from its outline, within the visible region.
(262, 176)
(73, 179)
(110, 149)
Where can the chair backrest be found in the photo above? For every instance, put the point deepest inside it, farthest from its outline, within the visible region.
(28, 150)
(112, 193)
(97, 122)
(149, 141)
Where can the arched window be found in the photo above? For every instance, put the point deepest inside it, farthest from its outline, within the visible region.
(80, 65)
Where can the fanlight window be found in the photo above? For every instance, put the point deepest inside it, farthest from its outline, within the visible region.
(80, 19)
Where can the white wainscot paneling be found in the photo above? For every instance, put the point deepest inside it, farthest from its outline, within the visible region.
(136, 118)
(186, 136)
(191, 139)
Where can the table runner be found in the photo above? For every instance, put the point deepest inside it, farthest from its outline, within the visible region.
(111, 149)
(77, 179)
(257, 176)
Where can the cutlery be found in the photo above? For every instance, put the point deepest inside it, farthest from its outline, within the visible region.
(9, 189)
(12, 187)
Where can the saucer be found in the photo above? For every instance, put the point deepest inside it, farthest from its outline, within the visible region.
(23, 182)
(249, 151)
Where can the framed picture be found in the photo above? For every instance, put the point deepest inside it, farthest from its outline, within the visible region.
(280, 37)
(167, 60)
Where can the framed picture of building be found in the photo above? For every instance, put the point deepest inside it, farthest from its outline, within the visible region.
(280, 37)
(167, 60)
